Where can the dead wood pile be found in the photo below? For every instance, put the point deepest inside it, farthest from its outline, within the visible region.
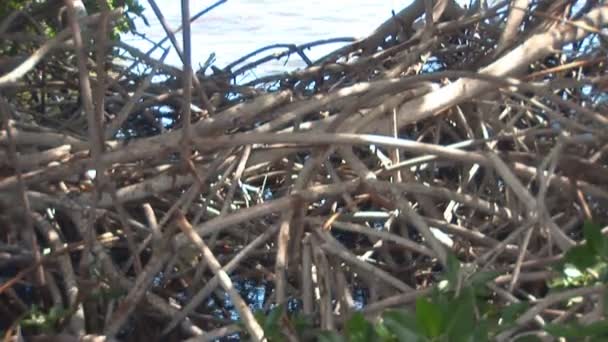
(478, 132)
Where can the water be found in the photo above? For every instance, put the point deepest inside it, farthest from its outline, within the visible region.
(238, 27)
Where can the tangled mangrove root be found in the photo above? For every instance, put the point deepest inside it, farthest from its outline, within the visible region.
(140, 200)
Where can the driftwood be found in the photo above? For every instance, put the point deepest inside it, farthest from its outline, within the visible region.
(481, 132)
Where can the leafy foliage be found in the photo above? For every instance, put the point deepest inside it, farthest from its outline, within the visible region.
(47, 13)
(469, 315)
(440, 317)
(586, 264)
(597, 331)
(132, 7)
(41, 321)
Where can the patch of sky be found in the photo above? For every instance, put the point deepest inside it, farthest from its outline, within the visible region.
(267, 195)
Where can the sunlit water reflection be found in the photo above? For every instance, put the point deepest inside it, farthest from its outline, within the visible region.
(238, 27)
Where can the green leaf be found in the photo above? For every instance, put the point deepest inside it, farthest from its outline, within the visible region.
(402, 324)
(383, 333)
(453, 269)
(481, 332)
(461, 318)
(302, 323)
(488, 310)
(576, 330)
(595, 239)
(330, 336)
(429, 317)
(271, 323)
(44, 322)
(605, 299)
(482, 278)
(512, 311)
(402, 317)
(358, 329)
(403, 333)
(581, 256)
(596, 329)
(273, 318)
(260, 316)
(441, 300)
(528, 338)
(596, 339)
(563, 330)
(479, 280)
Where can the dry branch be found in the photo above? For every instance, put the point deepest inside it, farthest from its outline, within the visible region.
(479, 133)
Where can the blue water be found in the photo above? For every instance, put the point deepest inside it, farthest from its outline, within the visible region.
(238, 27)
